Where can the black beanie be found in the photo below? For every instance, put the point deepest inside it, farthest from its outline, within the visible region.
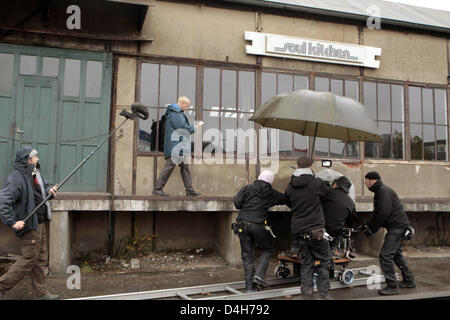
(373, 175)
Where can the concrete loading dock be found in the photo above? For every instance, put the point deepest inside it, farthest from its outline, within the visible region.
(128, 169)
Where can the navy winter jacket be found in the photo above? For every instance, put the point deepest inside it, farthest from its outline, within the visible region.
(176, 119)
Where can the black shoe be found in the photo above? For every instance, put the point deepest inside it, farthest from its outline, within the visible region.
(324, 296)
(159, 192)
(193, 194)
(407, 284)
(388, 291)
(259, 281)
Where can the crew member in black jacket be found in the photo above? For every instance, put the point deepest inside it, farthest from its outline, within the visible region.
(253, 201)
(339, 211)
(388, 213)
(303, 195)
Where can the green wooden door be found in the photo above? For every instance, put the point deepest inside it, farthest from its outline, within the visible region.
(57, 101)
(36, 120)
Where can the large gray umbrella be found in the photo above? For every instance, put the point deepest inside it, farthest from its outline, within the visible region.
(318, 114)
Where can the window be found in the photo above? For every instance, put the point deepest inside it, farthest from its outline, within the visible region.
(161, 85)
(290, 144)
(72, 74)
(94, 79)
(428, 123)
(50, 67)
(228, 103)
(331, 147)
(6, 72)
(385, 104)
(28, 64)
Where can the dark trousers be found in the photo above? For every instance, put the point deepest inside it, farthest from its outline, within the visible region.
(310, 252)
(34, 257)
(391, 253)
(167, 171)
(255, 235)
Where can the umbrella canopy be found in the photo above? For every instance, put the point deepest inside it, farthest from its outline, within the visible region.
(318, 114)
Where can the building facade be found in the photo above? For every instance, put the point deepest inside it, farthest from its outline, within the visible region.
(62, 90)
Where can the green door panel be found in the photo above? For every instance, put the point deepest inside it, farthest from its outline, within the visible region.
(64, 129)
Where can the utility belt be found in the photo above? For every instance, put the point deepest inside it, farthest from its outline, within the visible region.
(241, 227)
(316, 235)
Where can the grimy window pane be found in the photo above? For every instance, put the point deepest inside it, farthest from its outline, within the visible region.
(352, 149)
(228, 121)
(442, 142)
(337, 87)
(397, 103)
(429, 140)
(285, 83)
(211, 119)
(385, 145)
(72, 71)
(300, 145)
(94, 70)
(149, 84)
(427, 105)
(301, 82)
(247, 91)
(28, 64)
(384, 102)
(211, 126)
(229, 89)
(370, 98)
(397, 140)
(321, 147)
(322, 84)
(187, 78)
(416, 142)
(268, 86)
(351, 89)
(440, 99)
(211, 83)
(370, 149)
(336, 148)
(415, 104)
(6, 72)
(50, 67)
(168, 85)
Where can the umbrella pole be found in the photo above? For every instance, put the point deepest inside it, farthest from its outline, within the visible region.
(314, 141)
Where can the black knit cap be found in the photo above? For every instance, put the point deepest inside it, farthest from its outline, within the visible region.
(373, 175)
(343, 183)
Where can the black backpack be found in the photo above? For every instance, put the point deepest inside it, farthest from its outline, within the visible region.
(161, 132)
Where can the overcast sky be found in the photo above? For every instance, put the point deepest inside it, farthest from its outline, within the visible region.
(434, 4)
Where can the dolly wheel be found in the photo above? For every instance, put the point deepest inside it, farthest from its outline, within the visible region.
(281, 272)
(347, 276)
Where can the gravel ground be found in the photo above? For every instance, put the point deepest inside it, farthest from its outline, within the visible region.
(197, 267)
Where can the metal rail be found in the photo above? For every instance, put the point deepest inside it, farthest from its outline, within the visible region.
(232, 291)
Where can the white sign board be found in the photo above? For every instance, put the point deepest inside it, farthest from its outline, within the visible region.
(275, 45)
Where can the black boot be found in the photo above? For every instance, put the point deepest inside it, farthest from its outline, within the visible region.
(159, 192)
(192, 193)
(388, 291)
(407, 284)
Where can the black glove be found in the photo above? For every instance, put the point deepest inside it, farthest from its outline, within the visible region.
(367, 231)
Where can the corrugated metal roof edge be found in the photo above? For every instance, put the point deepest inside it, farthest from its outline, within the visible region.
(340, 14)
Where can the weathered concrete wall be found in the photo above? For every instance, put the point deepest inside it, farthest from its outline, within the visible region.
(126, 81)
(192, 43)
(408, 56)
(182, 230)
(227, 243)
